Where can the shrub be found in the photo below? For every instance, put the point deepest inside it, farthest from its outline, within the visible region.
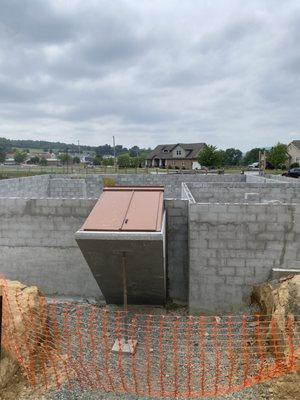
(109, 182)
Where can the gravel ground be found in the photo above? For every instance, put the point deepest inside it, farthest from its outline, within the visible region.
(255, 393)
(168, 354)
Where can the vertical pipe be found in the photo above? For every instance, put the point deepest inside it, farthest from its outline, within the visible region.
(124, 282)
(1, 325)
(125, 294)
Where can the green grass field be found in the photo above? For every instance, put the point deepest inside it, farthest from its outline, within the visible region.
(20, 171)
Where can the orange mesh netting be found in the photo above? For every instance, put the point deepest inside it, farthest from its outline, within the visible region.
(175, 356)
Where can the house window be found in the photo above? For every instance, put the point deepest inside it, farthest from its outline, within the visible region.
(183, 164)
(173, 162)
(165, 151)
(178, 152)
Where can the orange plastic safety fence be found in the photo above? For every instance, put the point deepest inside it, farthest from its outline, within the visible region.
(160, 356)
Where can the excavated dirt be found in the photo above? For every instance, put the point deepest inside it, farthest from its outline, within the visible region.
(18, 301)
(281, 299)
(286, 388)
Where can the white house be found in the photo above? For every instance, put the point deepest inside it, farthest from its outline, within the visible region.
(294, 152)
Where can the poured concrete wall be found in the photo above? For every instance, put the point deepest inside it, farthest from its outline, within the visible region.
(145, 265)
(177, 249)
(233, 246)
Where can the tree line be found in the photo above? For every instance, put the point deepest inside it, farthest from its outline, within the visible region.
(210, 156)
(127, 157)
(134, 157)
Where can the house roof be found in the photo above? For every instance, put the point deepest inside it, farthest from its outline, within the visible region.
(164, 151)
(296, 143)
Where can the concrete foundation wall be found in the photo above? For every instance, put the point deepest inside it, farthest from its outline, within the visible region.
(215, 251)
(145, 266)
(90, 186)
(67, 188)
(177, 249)
(25, 187)
(242, 192)
(269, 178)
(37, 244)
(284, 179)
(233, 246)
(171, 182)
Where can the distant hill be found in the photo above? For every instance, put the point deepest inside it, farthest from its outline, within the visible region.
(43, 145)
(46, 146)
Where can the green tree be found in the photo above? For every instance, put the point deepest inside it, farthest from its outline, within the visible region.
(76, 160)
(43, 161)
(134, 162)
(124, 161)
(252, 156)
(221, 158)
(108, 161)
(64, 158)
(20, 156)
(233, 156)
(97, 160)
(209, 156)
(2, 155)
(4, 148)
(278, 155)
(34, 160)
(134, 151)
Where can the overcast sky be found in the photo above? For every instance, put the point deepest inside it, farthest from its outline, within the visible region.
(150, 71)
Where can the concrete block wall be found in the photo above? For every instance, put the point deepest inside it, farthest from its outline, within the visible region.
(284, 179)
(233, 246)
(94, 185)
(215, 251)
(25, 187)
(268, 178)
(67, 188)
(242, 192)
(171, 182)
(90, 186)
(37, 244)
(177, 249)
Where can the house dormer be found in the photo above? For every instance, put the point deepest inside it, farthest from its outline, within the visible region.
(178, 152)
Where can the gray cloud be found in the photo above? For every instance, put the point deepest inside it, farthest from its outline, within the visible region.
(225, 72)
(34, 21)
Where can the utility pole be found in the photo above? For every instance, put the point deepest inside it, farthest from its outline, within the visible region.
(114, 145)
(262, 162)
(67, 157)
